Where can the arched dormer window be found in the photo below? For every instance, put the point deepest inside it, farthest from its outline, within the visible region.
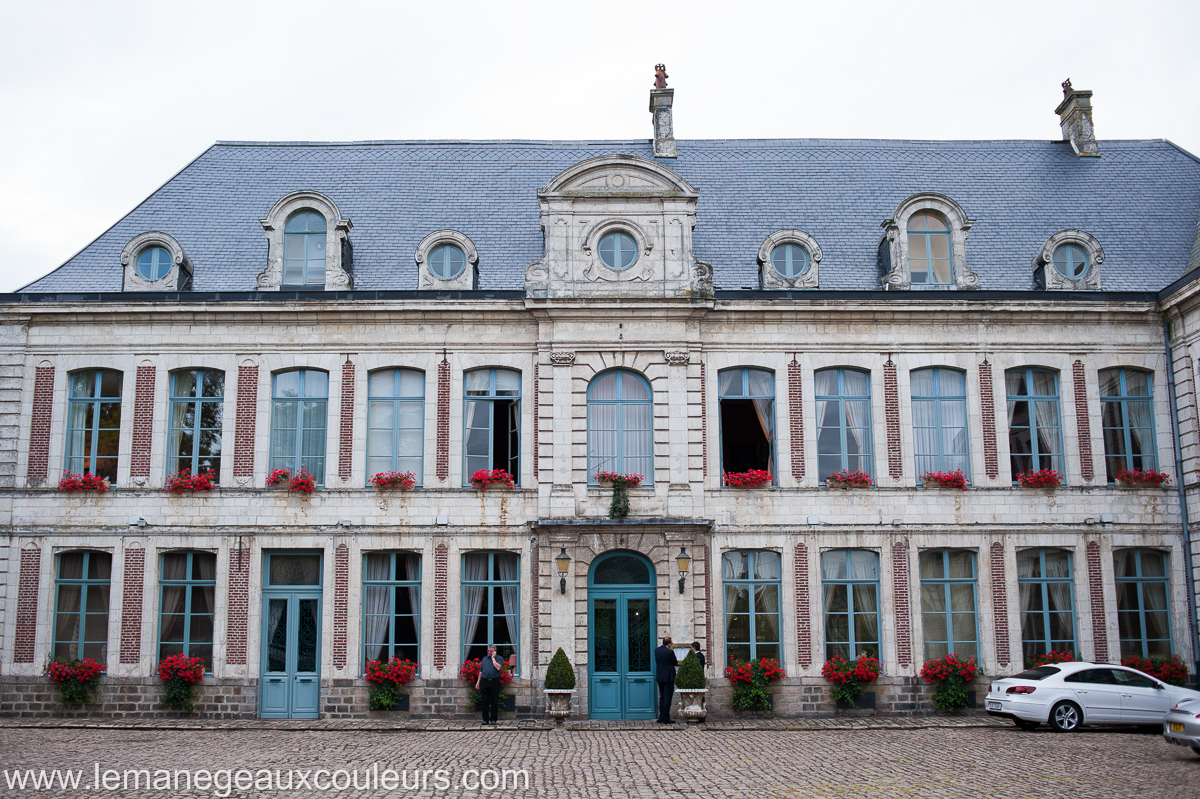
(1069, 260)
(155, 261)
(308, 245)
(447, 261)
(925, 245)
(788, 260)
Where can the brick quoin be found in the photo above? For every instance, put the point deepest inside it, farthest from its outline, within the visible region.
(534, 598)
(440, 596)
(900, 597)
(443, 420)
(803, 622)
(705, 586)
(796, 419)
(247, 412)
(987, 406)
(1096, 589)
(346, 442)
(39, 428)
(341, 603)
(131, 605)
(143, 422)
(703, 422)
(27, 603)
(537, 454)
(1000, 604)
(1083, 422)
(238, 603)
(891, 410)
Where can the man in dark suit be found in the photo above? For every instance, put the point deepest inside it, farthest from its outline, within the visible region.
(664, 661)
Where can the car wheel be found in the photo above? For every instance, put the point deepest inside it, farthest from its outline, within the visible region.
(1066, 717)
(1026, 725)
(1196, 749)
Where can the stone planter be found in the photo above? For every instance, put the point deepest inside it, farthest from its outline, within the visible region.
(558, 703)
(846, 486)
(691, 704)
(865, 702)
(935, 484)
(402, 706)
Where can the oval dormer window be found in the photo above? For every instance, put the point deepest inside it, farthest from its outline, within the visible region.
(789, 260)
(1071, 261)
(154, 263)
(618, 250)
(447, 261)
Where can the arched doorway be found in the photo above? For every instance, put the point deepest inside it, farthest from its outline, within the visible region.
(621, 626)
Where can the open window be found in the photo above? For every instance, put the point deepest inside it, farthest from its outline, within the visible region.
(492, 422)
(747, 398)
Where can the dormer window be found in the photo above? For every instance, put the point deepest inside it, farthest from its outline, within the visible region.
(304, 249)
(789, 260)
(447, 261)
(925, 246)
(618, 250)
(1069, 260)
(929, 249)
(154, 263)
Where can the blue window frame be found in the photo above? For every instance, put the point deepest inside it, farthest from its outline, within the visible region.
(1071, 261)
(304, 249)
(392, 606)
(81, 606)
(1127, 408)
(1045, 579)
(751, 579)
(447, 261)
(929, 250)
(843, 399)
(298, 420)
(396, 422)
(187, 594)
(1034, 428)
(492, 422)
(153, 263)
(850, 583)
(790, 260)
(618, 250)
(491, 605)
(197, 407)
(94, 423)
(1143, 593)
(620, 425)
(747, 401)
(948, 603)
(939, 410)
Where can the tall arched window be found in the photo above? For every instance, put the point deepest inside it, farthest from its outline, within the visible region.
(1143, 617)
(1047, 601)
(94, 423)
(492, 422)
(187, 605)
(300, 399)
(843, 421)
(1034, 435)
(929, 249)
(197, 405)
(395, 422)
(939, 410)
(81, 608)
(304, 249)
(751, 581)
(747, 399)
(1127, 408)
(620, 426)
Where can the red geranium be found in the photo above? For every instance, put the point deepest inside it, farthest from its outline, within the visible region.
(180, 666)
(753, 478)
(468, 672)
(1051, 657)
(404, 480)
(398, 671)
(954, 479)
(483, 479)
(82, 482)
(618, 479)
(1143, 477)
(846, 478)
(278, 477)
(1168, 669)
(1045, 478)
(186, 481)
(75, 678)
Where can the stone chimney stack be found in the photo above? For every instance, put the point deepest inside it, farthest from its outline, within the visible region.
(1075, 116)
(661, 99)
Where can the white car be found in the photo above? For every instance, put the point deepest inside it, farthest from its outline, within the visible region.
(1066, 695)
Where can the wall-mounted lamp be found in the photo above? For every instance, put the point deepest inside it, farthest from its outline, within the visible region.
(684, 561)
(137, 521)
(563, 560)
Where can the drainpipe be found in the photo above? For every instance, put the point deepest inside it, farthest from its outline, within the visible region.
(1183, 508)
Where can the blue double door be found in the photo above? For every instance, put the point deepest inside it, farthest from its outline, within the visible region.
(621, 654)
(290, 681)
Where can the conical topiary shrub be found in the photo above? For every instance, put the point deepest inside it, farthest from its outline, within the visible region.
(690, 675)
(559, 674)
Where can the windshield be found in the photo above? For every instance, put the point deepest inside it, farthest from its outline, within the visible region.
(1039, 673)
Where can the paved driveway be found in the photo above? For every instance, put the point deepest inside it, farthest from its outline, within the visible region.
(961, 763)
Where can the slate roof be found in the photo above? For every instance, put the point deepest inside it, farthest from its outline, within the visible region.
(1140, 199)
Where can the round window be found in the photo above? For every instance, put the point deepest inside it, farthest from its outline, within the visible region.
(153, 263)
(447, 261)
(618, 250)
(1071, 261)
(790, 260)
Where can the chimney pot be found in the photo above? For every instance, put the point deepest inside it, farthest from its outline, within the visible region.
(1075, 117)
(661, 99)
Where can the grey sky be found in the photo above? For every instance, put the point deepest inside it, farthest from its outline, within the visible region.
(103, 102)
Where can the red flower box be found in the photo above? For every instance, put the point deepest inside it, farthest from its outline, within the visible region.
(849, 479)
(755, 478)
(1045, 478)
(82, 482)
(484, 479)
(1142, 477)
(954, 479)
(406, 481)
(186, 481)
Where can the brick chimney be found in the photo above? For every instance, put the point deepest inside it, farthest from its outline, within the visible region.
(1075, 116)
(661, 99)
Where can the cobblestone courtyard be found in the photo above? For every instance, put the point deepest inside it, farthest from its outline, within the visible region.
(674, 762)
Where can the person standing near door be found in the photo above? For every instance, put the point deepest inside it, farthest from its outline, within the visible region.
(664, 661)
(488, 684)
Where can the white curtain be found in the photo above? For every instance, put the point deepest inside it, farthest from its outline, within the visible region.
(474, 569)
(509, 566)
(376, 600)
(412, 562)
(766, 565)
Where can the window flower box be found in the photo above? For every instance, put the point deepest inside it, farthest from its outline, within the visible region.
(484, 479)
(1140, 478)
(755, 478)
(954, 479)
(302, 481)
(71, 482)
(621, 483)
(405, 481)
(186, 481)
(386, 678)
(1045, 478)
(849, 479)
(849, 676)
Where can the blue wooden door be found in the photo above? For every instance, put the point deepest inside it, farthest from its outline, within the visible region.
(290, 678)
(621, 658)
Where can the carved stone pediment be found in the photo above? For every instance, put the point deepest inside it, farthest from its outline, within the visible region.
(650, 207)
